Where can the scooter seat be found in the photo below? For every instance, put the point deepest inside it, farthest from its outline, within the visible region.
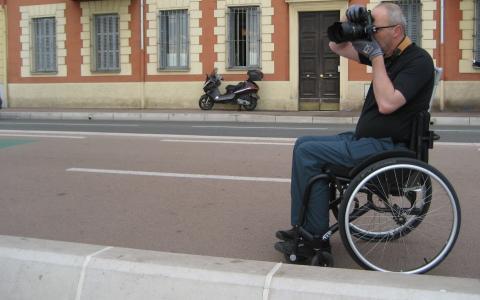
(232, 88)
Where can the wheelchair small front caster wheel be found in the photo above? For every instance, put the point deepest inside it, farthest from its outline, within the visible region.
(322, 259)
(294, 259)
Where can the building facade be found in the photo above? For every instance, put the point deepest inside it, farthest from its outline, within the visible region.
(155, 53)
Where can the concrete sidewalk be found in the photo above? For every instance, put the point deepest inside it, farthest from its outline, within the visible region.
(303, 117)
(42, 269)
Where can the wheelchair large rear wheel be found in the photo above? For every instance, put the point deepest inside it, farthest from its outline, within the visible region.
(399, 215)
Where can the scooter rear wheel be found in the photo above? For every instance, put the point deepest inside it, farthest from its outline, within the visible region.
(252, 105)
(206, 102)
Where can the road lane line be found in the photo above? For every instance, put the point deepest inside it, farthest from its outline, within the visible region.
(180, 175)
(457, 130)
(259, 127)
(152, 135)
(227, 142)
(42, 136)
(71, 124)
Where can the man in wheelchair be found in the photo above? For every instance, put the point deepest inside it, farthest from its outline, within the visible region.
(403, 80)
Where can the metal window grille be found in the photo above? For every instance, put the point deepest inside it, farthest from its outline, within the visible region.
(44, 45)
(476, 44)
(244, 37)
(173, 42)
(107, 43)
(412, 9)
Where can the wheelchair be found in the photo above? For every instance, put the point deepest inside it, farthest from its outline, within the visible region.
(394, 211)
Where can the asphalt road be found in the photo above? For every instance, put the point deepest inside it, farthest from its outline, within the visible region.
(223, 196)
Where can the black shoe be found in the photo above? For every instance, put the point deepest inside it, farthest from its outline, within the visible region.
(285, 235)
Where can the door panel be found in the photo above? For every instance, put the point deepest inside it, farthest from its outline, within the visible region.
(319, 80)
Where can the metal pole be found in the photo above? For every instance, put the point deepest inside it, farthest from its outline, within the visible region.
(442, 53)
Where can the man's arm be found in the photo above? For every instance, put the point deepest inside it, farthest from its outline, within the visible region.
(388, 98)
(345, 49)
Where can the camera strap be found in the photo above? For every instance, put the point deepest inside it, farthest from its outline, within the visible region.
(397, 52)
(402, 46)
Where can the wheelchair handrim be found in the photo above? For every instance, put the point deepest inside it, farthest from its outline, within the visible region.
(451, 239)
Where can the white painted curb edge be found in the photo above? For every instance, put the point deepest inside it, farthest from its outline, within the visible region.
(42, 269)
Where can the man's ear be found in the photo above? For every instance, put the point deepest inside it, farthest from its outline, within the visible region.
(398, 31)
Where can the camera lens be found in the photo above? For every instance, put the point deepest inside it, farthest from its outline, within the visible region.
(346, 31)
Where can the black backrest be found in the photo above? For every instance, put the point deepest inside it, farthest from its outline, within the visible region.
(421, 139)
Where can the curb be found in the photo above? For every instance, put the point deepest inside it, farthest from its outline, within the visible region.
(212, 117)
(42, 269)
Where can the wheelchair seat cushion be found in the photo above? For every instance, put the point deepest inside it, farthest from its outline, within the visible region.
(350, 172)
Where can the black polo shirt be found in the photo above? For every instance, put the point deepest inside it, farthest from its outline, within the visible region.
(412, 73)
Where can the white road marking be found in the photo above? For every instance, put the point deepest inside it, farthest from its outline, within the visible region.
(42, 136)
(260, 127)
(457, 130)
(152, 135)
(455, 144)
(72, 124)
(227, 142)
(180, 175)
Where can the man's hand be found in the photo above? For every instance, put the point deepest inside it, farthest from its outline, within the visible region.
(356, 13)
(370, 49)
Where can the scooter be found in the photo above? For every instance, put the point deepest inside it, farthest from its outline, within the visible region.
(243, 94)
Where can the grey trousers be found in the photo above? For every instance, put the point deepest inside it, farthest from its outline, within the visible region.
(310, 155)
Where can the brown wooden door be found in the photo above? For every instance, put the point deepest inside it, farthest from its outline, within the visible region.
(319, 81)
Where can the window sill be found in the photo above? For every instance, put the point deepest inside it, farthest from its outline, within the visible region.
(49, 73)
(244, 68)
(173, 70)
(95, 72)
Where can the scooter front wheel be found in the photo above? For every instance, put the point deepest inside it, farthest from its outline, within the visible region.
(205, 102)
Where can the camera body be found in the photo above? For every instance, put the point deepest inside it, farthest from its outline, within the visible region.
(362, 29)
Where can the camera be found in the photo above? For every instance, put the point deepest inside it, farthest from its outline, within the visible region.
(362, 29)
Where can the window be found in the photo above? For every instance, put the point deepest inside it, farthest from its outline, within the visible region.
(412, 9)
(106, 43)
(476, 39)
(44, 45)
(244, 37)
(173, 42)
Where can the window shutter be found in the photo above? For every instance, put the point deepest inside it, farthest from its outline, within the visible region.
(107, 43)
(44, 45)
(230, 37)
(476, 54)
